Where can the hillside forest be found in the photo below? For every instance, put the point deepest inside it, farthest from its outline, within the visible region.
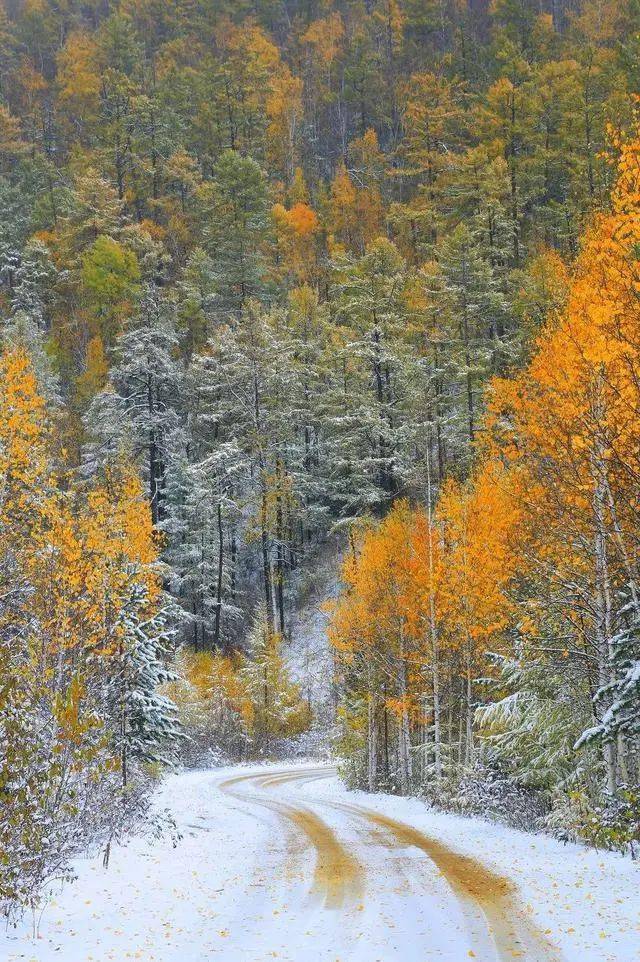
(329, 302)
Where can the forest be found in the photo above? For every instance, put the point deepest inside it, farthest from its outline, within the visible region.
(328, 299)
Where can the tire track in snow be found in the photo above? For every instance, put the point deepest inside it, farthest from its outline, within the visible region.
(511, 934)
(338, 876)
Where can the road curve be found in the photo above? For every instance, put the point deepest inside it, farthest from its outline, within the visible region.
(344, 875)
(337, 876)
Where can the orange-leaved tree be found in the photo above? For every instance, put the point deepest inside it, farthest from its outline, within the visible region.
(82, 642)
(568, 426)
(375, 631)
(479, 525)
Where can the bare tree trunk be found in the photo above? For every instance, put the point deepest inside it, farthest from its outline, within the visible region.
(216, 630)
(266, 564)
(433, 639)
(469, 710)
(602, 600)
(622, 758)
(404, 740)
(372, 743)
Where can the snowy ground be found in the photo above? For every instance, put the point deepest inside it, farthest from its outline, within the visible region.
(282, 863)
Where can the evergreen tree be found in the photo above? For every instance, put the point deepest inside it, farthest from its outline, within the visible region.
(472, 314)
(235, 230)
(367, 417)
(96, 210)
(200, 515)
(277, 706)
(148, 728)
(617, 704)
(146, 379)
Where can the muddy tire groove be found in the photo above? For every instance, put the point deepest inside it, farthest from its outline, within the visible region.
(338, 877)
(498, 925)
(475, 885)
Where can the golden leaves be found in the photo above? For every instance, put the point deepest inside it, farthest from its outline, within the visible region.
(568, 423)
(325, 37)
(80, 551)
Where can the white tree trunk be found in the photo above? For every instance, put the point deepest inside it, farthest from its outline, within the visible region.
(469, 710)
(433, 639)
(602, 587)
(372, 744)
(404, 740)
(437, 713)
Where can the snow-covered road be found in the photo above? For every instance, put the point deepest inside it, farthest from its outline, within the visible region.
(282, 863)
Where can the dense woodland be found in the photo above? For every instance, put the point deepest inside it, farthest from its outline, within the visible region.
(288, 278)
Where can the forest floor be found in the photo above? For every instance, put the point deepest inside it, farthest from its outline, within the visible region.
(280, 862)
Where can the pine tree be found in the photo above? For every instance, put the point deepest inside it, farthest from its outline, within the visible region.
(367, 418)
(235, 230)
(31, 275)
(96, 211)
(471, 310)
(198, 301)
(149, 728)
(278, 708)
(618, 702)
(199, 513)
(146, 379)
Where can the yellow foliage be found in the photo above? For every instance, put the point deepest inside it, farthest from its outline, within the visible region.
(78, 558)
(296, 230)
(355, 213)
(325, 37)
(284, 111)
(480, 556)
(567, 424)
(78, 77)
(417, 589)
(94, 376)
(212, 684)
(23, 435)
